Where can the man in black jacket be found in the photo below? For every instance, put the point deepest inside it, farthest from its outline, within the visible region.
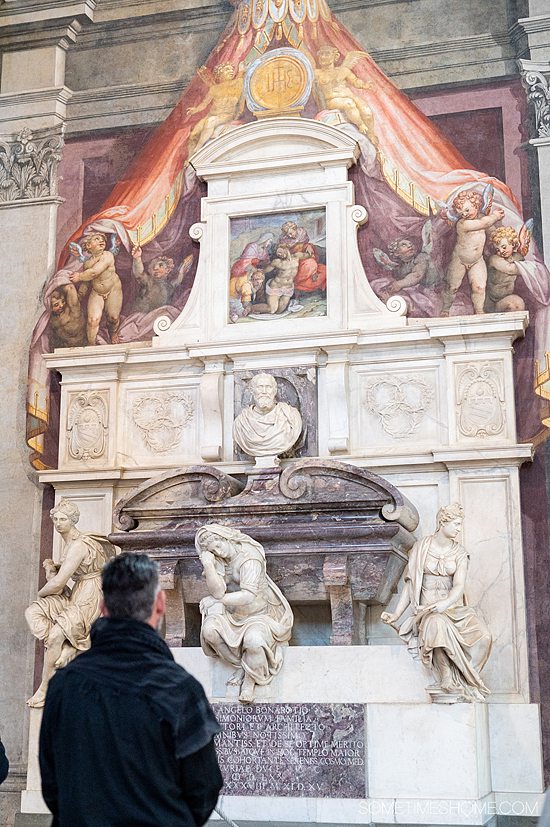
(127, 734)
(4, 763)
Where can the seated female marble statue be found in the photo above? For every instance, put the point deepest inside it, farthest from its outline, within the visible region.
(246, 619)
(61, 616)
(451, 637)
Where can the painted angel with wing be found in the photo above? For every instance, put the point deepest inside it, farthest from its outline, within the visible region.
(409, 271)
(471, 213)
(224, 101)
(335, 88)
(510, 247)
(100, 276)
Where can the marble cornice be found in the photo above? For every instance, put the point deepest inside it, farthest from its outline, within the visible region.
(474, 458)
(35, 13)
(60, 94)
(459, 44)
(532, 25)
(56, 32)
(145, 28)
(339, 6)
(128, 90)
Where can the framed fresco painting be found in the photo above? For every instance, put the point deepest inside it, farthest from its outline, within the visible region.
(277, 266)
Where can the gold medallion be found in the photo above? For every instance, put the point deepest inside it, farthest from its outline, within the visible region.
(278, 84)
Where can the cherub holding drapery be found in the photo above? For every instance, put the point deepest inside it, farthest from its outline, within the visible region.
(470, 212)
(99, 272)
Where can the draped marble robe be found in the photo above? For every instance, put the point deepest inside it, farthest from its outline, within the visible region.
(459, 630)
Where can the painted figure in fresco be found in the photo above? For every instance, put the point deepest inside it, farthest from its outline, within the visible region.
(67, 324)
(255, 254)
(451, 638)
(333, 84)
(62, 617)
(280, 288)
(243, 291)
(226, 101)
(292, 234)
(411, 273)
(106, 292)
(474, 218)
(155, 288)
(502, 271)
(246, 619)
(311, 275)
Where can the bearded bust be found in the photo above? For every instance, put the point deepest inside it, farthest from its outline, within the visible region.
(266, 428)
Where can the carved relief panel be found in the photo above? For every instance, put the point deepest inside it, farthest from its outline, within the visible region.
(161, 418)
(161, 426)
(400, 403)
(397, 408)
(87, 426)
(480, 400)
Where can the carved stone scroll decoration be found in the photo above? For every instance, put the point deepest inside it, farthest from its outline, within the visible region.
(480, 400)
(536, 85)
(28, 165)
(332, 532)
(161, 418)
(400, 402)
(87, 427)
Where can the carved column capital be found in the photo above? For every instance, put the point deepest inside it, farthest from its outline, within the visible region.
(535, 78)
(28, 164)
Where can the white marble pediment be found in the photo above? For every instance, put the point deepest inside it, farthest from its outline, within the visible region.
(275, 143)
(276, 169)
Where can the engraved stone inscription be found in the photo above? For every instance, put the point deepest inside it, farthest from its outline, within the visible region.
(297, 750)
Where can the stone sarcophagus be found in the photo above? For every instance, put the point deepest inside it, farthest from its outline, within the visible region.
(334, 534)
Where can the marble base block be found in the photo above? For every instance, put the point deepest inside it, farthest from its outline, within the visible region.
(425, 764)
(31, 797)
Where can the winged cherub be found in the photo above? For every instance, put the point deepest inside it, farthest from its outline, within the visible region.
(510, 246)
(471, 214)
(334, 87)
(225, 101)
(409, 267)
(106, 287)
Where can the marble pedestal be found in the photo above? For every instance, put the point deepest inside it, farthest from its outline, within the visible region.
(31, 798)
(425, 763)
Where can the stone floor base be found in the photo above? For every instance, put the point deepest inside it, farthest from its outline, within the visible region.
(38, 820)
(32, 820)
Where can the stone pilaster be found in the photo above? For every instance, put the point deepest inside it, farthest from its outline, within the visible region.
(34, 39)
(28, 209)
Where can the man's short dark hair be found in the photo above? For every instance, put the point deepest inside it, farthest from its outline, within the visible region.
(130, 584)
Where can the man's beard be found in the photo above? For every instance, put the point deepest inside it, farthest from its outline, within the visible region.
(265, 401)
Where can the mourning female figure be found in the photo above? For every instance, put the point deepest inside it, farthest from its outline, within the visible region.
(62, 616)
(451, 637)
(245, 619)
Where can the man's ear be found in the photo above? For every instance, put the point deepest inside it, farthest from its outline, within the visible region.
(160, 603)
(103, 609)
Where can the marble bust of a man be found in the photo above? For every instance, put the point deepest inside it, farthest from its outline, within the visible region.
(266, 428)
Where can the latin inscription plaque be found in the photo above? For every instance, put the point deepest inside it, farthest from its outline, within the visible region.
(298, 750)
